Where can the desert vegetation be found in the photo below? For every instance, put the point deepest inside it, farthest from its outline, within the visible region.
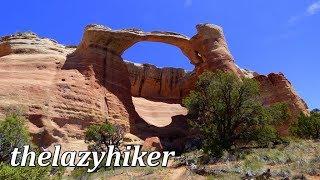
(307, 127)
(14, 134)
(228, 113)
(238, 134)
(99, 137)
(238, 137)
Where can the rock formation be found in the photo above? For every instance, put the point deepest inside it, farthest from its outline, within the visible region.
(156, 83)
(62, 90)
(276, 88)
(152, 144)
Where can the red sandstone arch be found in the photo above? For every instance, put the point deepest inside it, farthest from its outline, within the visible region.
(98, 57)
(207, 49)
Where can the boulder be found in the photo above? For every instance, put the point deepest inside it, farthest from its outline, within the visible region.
(130, 139)
(152, 144)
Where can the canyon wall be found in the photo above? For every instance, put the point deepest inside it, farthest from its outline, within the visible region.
(163, 84)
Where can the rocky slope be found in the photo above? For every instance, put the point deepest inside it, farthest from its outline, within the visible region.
(63, 90)
(58, 103)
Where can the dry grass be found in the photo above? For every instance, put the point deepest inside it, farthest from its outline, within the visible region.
(300, 157)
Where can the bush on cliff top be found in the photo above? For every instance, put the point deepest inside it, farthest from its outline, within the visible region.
(227, 112)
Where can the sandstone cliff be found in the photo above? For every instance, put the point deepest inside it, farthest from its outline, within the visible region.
(156, 83)
(63, 90)
(58, 103)
(276, 88)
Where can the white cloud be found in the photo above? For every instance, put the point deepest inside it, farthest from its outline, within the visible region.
(314, 8)
(187, 3)
(311, 10)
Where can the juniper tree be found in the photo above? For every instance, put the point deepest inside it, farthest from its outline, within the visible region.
(227, 110)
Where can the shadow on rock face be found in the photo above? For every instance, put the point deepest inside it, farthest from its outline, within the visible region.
(172, 136)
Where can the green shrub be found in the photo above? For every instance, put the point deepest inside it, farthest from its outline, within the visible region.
(102, 135)
(80, 173)
(99, 137)
(307, 126)
(13, 134)
(226, 110)
(265, 134)
(252, 163)
(278, 113)
(23, 173)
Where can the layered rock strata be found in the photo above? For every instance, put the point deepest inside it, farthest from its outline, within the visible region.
(148, 81)
(276, 88)
(62, 90)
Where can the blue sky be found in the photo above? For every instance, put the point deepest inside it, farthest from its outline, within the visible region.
(265, 36)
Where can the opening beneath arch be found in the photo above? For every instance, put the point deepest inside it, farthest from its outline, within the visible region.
(158, 54)
(150, 88)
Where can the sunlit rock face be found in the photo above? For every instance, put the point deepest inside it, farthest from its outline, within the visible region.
(149, 81)
(64, 89)
(275, 88)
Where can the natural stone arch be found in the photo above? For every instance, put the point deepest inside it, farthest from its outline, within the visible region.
(206, 50)
(118, 41)
(99, 59)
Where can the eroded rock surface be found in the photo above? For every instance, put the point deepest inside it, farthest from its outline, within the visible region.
(152, 144)
(275, 88)
(58, 103)
(159, 114)
(148, 81)
(63, 90)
